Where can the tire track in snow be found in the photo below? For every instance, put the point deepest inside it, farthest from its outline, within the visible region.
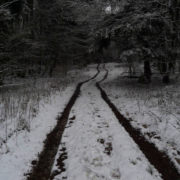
(98, 147)
(158, 159)
(41, 169)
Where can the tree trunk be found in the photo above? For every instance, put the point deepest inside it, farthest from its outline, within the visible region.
(166, 79)
(174, 14)
(147, 71)
(130, 70)
(53, 65)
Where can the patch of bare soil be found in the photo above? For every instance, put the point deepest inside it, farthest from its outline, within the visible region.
(107, 146)
(60, 162)
(157, 158)
(41, 170)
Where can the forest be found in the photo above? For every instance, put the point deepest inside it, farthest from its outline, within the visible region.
(89, 89)
(36, 36)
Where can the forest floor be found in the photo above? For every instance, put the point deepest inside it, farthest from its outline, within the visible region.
(102, 136)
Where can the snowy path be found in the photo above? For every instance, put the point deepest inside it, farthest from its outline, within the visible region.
(95, 146)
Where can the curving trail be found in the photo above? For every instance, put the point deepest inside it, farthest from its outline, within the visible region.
(95, 146)
(93, 141)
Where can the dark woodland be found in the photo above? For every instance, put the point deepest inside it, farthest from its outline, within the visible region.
(37, 36)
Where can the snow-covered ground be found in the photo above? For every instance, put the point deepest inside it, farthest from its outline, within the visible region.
(24, 145)
(96, 147)
(153, 108)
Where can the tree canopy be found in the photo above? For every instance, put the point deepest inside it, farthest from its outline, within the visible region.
(44, 33)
